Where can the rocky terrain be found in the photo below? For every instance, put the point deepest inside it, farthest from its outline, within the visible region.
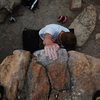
(72, 76)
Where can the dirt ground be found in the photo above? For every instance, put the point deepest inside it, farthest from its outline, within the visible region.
(49, 10)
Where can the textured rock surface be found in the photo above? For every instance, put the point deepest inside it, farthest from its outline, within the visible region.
(85, 73)
(13, 71)
(73, 75)
(84, 24)
(84, 69)
(38, 83)
(76, 4)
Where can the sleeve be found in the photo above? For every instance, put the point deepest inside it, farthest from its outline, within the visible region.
(65, 29)
(43, 31)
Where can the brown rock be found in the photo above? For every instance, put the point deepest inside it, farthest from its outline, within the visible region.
(95, 70)
(60, 95)
(64, 95)
(13, 71)
(84, 72)
(38, 82)
(57, 73)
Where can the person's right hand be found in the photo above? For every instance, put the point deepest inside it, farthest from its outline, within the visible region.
(51, 51)
(50, 47)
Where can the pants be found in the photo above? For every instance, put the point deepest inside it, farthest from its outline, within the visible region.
(31, 40)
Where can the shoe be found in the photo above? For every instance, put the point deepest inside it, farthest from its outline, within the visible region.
(62, 19)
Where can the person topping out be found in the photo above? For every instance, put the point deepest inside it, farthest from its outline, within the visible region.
(51, 37)
(55, 36)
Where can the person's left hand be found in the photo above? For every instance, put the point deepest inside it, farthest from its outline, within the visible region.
(51, 50)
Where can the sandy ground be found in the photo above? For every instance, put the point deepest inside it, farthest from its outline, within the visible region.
(49, 10)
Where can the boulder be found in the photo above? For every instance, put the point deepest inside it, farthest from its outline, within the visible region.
(81, 72)
(38, 83)
(73, 75)
(85, 72)
(13, 73)
(84, 24)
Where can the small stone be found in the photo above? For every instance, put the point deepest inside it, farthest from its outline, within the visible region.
(76, 4)
(97, 36)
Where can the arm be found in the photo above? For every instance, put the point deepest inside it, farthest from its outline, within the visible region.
(50, 47)
(47, 39)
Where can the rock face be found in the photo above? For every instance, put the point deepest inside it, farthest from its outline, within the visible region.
(38, 83)
(72, 75)
(84, 24)
(13, 71)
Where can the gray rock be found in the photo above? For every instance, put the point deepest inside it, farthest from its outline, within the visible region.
(41, 58)
(84, 24)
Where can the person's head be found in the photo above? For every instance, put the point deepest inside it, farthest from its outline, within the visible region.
(68, 40)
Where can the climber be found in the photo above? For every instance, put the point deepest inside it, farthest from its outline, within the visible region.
(53, 37)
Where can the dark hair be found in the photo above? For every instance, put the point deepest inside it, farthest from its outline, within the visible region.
(69, 40)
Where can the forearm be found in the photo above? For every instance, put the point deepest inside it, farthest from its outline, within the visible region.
(47, 39)
(50, 47)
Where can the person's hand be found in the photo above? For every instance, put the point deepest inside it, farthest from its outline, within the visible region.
(51, 51)
(50, 47)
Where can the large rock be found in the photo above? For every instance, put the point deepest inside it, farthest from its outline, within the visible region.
(85, 72)
(13, 73)
(72, 75)
(81, 72)
(84, 24)
(38, 83)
